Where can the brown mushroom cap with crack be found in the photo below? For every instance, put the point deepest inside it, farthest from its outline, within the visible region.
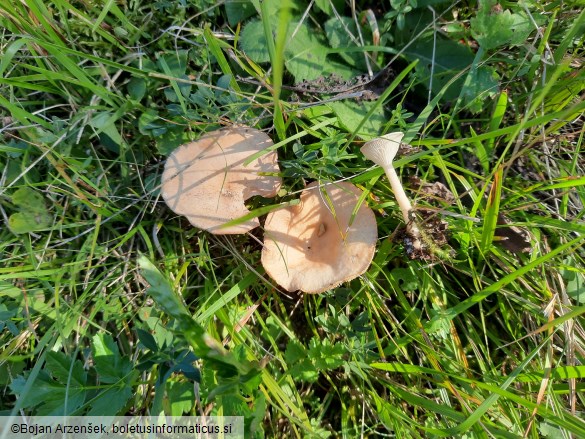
(208, 182)
(321, 242)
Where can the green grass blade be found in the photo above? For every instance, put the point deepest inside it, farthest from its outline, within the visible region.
(456, 310)
(491, 212)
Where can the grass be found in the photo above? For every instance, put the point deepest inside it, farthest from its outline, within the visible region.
(111, 304)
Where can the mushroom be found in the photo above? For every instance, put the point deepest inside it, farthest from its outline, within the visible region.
(321, 242)
(207, 181)
(382, 151)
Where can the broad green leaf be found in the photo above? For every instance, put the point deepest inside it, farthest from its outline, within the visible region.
(575, 280)
(327, 5)
(6, 314)
(150, 124)
(33, 214)
(105, 122)
(447, 59)
(24, 222)
(9, 290)
(38, 396)
(338, 34)
(294, 352)
(52, 398)
(480, 86)
(493, 27)
(59, 366)
(174, 63)
(27, 198)
(238, 10)
(110, 401)
(327, 357)
(548, 430)
(171, 139)
(109, 364)
(304, 371)
(8, 370)
(185, 361)
(180, 397)
(147, 340)
(454, 74)
(258, 416)
(351, 113)
(136, 88)
(406, 278)
(305, 54)
(253, 42)
(330, 358)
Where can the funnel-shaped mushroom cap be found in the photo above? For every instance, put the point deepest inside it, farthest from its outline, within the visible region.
(321, 242)
(382, 150)
(207, 181)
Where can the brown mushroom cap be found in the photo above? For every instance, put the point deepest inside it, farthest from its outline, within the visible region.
(207, 182)
(318, 244)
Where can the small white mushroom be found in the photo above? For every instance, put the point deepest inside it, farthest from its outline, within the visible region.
(382, 151)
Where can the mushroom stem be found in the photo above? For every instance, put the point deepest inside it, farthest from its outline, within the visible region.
(382, 151)
(404, 204)
(401, 197)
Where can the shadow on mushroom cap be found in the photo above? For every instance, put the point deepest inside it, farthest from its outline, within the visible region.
(318, 244)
